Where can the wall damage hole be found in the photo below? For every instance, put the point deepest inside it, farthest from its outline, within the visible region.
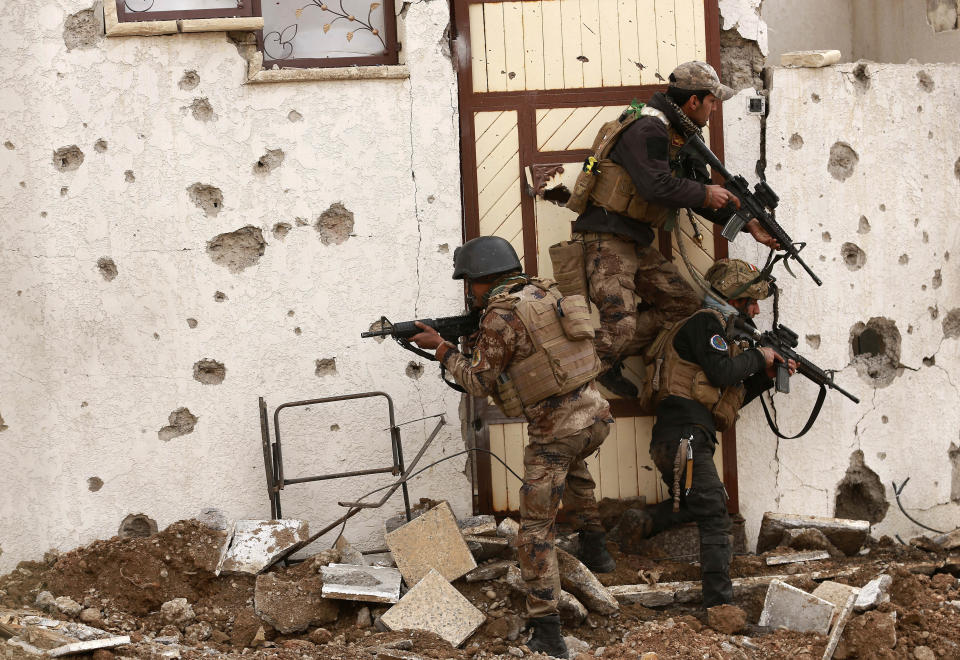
(741, 61)
(206, 197)
(942, 15)
(301, 222)
(853, 256)
(107, 268)
(937, 280)
(934, 312)
(843, 161)
(861, 76)
(9, 145)
(924, 81)
(281, 229)
(860, 495)
(815, 98)
(220, 296)
(63, 191)
(66, 159)
(904, 259)
(189, 80)
(414, 370)
(796, 141)
(951, 324)
(876, 350)
(558, 195)
(192, 323)
(826, 237)
(137, 525)
(326, 367)
(813, 341)
(925, 237)
(94, 484)
(297, 331)
(209, 372)
(335, 224)
(334, 427)
(82, 30)
(3, 426)
(431, 199)
(100, 146)
(237, 249)
(201, 109)
(956, 169)
(128, 176)
(443, 248)
(180, 422)
(269, 161)
(884, 419)
(376, 326)
(930, 361)
(954, 454)
(293, 115)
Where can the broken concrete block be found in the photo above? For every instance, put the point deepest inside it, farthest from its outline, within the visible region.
(572, 611)
(486, 547)
(836, 593)
(477, 525)
(798, 557)
(840, 621)
(431, 541)
(45, 601)
(582, 583)
(349, 554)
(292, 606)
(255, 545)
(435, 606)
(366, 583)
(68, 606)
(846, 535)
(648, 595)
(177, 612)
(90, 645)
(508, 528)
(794, 609)
(812, 59)
(490, 571)
(949, 541)
(873, 593)
(808, 539)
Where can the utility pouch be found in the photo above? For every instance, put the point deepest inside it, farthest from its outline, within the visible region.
(575, 318)
(582, 188)
(507, 397)
(537, 378)
(569, 269)
(704, 391)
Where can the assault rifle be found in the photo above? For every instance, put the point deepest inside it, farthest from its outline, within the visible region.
(451, 328)
(759, 204)
(783, 341)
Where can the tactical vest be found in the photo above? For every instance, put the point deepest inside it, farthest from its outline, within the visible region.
(564, 356)
(672, 375)
(609, 186)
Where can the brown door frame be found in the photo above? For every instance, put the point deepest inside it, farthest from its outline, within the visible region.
(526, 103)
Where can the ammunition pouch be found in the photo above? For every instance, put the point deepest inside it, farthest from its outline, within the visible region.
(569, 268)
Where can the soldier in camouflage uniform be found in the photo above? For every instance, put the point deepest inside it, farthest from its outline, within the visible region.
(564, 428)
(641, 183)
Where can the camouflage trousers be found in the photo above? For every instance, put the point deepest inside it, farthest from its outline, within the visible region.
(705, 504)
(636, 290)
(554, 472)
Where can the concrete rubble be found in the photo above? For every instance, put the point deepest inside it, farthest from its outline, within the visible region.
(434, 605)
(431, 541)
(794, 609)
(366, 583)
(873, 593)
(847, 535)
(254, 545)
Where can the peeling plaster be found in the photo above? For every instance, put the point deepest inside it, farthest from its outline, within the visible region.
(744, 16)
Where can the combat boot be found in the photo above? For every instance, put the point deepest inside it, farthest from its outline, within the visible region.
(614, 380)
(593, 552)
(547, 637)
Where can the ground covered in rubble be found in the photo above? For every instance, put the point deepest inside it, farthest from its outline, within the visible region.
(161, 590)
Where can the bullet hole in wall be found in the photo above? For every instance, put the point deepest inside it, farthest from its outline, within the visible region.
(956, 169)
(281, 229)
(189, 80)
(63, 191)
(815, 98)
(107, 268)
(326, 367)
(94, 484)
(954, 454)
(335, 224)
(414, 370)
(825, 236)
(884, 419)
(137, 525)
(937, 280)
(220, 296)
(431, 199)
(443, 248)
(853, 256)
(180, 422)
(796, 141)
(201, 110)
(100, 146)
(929, 361)
(934, 312)
(813, 341)
(926, 237)
(9, 145)
(861, 76)
(904, 259)
(82, 30)
(290, 312)
(334, 427)
(875, 346)
(209, 372)
(156, 335)
(951, 324)
(842, 162)
(206, 197)
(3, 426)
(237, 249)
(297, 331)
(66, 159)
(269, 161)
(293, 115)
(860, 494)
(128, 176)
(192, 323)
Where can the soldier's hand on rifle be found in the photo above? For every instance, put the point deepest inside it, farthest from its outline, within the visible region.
(771, 358)
(760, 235)
(429, 338)
(718, 197)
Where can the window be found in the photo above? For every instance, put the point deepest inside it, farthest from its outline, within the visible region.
(327, 33)
(161, 10)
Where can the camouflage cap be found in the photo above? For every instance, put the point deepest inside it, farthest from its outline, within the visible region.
(730, 276)
(697, 75)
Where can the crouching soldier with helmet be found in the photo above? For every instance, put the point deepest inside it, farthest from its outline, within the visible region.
(534, 355)
(701, 378)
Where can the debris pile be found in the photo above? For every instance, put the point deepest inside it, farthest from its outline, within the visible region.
(449, 588)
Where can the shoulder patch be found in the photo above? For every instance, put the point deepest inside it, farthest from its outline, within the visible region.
(719, 343)
(657, 147)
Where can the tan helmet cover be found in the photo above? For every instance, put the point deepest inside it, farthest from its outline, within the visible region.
(729, 276)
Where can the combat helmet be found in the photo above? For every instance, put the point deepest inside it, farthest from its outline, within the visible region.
(483, 256)
(734, 278)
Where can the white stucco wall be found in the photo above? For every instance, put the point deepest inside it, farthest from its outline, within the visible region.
(92, 368)
(906, 183)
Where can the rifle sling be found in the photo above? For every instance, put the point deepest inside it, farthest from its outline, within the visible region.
(806, 427)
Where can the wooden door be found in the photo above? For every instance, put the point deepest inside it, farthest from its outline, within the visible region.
(537, 80)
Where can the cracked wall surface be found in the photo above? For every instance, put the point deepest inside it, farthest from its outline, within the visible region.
(104, 258)
(899, 200)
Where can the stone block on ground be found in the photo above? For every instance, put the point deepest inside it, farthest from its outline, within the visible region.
(348, 553)
(726, 619)
(582, 583)
(365, 583)
(486, 547)
(844, 612)
(835, 592)
(255, 545)
(483, 525)
(572, 611)
(431, 541)
(873, 593)
(798, 557)
(436, 606)
(846, 535)
(508, 529)
(489, 571)
(292, 606)
(813, 59)
(794, 609)
(648, 595)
